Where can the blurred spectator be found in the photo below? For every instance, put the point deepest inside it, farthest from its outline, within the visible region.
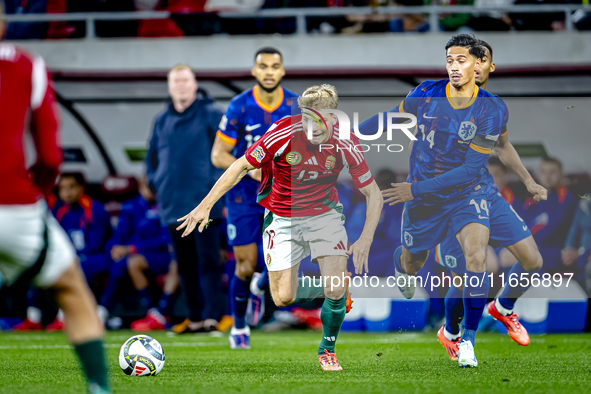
(87, 224)
(577, 248)
(156, 27)
(549, 220)
(139, 245)
(179, 170)
(25, 30)
(409, 22)
(452, 22)
(543, 21)
(491, 20)
(387, 235)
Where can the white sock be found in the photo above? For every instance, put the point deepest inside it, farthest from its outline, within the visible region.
(450, 336)
(103, 313)
(235, 331)
(502, 310)
(34, 314)
(254, 288)
(157, 315)
(60, 315)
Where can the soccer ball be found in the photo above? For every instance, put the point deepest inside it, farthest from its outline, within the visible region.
(141, 355)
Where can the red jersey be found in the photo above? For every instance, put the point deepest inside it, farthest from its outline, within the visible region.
(27, 100)
(304, 176)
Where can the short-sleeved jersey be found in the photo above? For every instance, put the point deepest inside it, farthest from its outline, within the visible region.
(304, 176)
(246, 120)
(446, 132)
(491, 186)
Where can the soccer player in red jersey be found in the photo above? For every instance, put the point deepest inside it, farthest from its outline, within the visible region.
(303, 215)
(33, 246)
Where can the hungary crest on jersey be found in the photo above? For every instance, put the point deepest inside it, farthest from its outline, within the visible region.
(330, 162)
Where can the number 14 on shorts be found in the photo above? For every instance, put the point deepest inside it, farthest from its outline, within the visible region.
(479, 208)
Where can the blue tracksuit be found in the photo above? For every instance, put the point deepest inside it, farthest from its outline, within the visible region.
(89, 227)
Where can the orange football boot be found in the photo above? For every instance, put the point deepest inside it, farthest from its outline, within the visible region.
(516, 331)
(329, 362)
(349, 302)
(452, 347)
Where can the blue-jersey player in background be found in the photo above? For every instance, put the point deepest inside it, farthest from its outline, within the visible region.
(248, 117)
(507, 229)
(458, 125)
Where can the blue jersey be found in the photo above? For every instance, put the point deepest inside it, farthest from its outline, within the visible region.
(447, 134)
(245, 121)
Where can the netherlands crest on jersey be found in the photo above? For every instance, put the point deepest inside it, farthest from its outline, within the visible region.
(467, 130)
(293, 158)
(451, 261)
(330, 162)
(408, 238)
(258, 154)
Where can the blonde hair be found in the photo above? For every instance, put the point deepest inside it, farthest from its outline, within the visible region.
(319, 97)
(179, 67)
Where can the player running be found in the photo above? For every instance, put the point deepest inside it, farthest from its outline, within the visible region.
(507, 229)
(33, 246)
(303, 215)
(458, 124)
(249, 115)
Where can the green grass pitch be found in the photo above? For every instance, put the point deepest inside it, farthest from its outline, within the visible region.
(286, 362)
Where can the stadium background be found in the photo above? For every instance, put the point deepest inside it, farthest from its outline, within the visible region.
(110, 88)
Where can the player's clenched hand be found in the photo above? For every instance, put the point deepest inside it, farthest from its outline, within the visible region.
(198, 216)
(539, 192)
(399, 193)
(360, 252)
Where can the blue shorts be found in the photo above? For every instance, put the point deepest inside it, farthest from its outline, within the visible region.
(506, 228)
(424, 227)
(158, 262)
(245, 216)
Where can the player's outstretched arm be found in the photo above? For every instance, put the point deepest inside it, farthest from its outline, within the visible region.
(360, 249)
(200, 215)
(510, 158)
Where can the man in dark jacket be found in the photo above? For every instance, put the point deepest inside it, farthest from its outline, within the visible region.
(179, 170)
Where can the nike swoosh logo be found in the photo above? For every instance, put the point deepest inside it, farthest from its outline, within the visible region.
(429, 117)
(524, 228)
(251, 127)
(476, 295)
(482, 217)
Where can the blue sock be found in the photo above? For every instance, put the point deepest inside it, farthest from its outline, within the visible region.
(165, 304)
(145, 298)
(475, 294)
(397, 255)
(511, 294)
(263, 282)
(454, 310)
(117, 276)
(239, 293)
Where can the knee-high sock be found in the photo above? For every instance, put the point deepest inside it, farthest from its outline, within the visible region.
(397, 255)
(475, 294)
(511, 294)
(117, 276)
(166, 303)
(92, 358)
(332, 316)
(454, 310)
(263, 282)
(239, 293)
(145, 298)
(308, 289)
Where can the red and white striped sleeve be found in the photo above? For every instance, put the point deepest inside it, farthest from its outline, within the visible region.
(44, 127)
(273, 143)
(355, 159)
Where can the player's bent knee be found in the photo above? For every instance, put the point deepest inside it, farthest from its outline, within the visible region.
(283, 299)
(476, 260)
(535, 263)
(244, 269)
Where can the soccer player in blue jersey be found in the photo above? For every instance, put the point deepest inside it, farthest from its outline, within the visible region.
(249, 116)
(507, 229)
(458, 125)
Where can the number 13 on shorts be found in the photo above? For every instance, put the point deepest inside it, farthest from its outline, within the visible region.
(480, 208)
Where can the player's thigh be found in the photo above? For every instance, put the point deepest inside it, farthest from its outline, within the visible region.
(473, 238)
(423, 227)
(527, 253)
(284, 285)
(333, 269)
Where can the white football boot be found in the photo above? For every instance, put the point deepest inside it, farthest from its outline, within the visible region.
(406, 283)
(466, 357)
